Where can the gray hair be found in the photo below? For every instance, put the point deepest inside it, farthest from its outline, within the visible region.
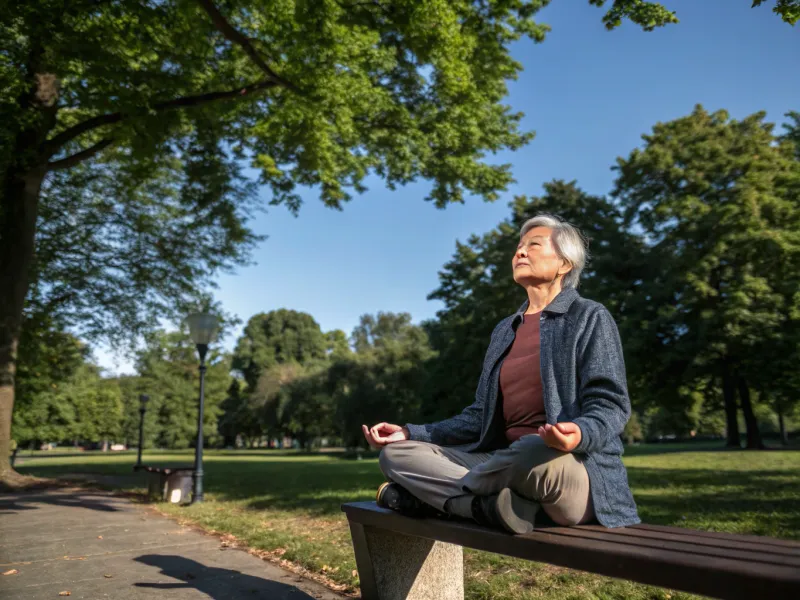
(569, 243)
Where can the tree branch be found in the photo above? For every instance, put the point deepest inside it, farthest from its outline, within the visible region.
(54, 145)
(74, 159)
(237, 37)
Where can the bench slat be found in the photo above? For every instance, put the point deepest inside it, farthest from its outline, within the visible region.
(730, 552)
(717, 576)
(687, 536)
(743, 537)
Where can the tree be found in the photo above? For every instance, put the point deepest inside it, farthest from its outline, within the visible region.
(307, 411)
(275, 338)
(234, 415)
(789, 10)
(98, 406)
(318, 94)
(131, 388)
(718, 202)
(167, 367)
(385, 379)
(162, 99)
(267, 401)
(62, 396)
(50, 357)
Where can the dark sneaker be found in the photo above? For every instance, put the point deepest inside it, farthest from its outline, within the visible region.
(395, 497)
(506, 510)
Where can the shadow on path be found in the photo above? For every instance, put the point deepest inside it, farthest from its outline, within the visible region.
(69, 499)
(216, 583)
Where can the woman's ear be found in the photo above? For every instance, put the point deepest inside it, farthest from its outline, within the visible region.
(565, 267)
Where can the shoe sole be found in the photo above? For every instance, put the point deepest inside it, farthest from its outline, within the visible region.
(516, 513)
(378, 496)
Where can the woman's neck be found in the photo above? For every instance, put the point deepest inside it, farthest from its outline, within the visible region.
(539, 296)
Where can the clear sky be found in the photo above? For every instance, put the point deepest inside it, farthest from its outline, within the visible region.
(588, 93)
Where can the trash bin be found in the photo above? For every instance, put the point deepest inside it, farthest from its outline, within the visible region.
(169, 485)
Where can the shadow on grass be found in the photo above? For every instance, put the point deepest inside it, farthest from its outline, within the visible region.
(715, 446)
(668, 496)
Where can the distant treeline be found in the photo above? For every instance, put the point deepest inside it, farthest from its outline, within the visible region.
(696, 253)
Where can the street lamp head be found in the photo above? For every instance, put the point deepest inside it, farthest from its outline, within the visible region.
(202, 327)
(143, 400)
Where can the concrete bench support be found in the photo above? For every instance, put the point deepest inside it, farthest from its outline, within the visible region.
(393, 566)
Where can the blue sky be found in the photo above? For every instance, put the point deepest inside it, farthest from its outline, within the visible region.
(588, 93)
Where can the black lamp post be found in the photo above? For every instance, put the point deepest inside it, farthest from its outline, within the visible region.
(202, 328)
(143, 400)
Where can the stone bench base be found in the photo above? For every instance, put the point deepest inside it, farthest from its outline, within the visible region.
(392, 566)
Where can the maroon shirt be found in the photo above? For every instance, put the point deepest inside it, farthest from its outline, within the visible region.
(521, 382)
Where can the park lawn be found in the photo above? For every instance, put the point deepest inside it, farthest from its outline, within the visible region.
(288, 505)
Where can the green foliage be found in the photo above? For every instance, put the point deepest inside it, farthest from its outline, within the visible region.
(386, 378)
(168, 373)
(60, 396)
(275, 338)
(125, 241)
(717, 200)
(789, 10)
(130, 387)
(49, 360)
(647, 15)
(308, 409)
(98, 406)
(633, 431)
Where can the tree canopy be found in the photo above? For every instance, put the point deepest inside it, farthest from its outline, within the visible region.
(123, 127)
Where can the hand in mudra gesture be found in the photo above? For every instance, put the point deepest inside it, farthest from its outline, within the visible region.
(384, 433)
(561, 436)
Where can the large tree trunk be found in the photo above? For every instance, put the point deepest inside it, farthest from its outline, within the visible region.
(731, 420)
(20, 183)
(20, 203)
(754, 441)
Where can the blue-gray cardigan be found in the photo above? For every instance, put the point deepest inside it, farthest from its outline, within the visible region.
(583, 381)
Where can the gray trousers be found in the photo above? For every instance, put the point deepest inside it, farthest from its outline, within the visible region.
(436, 474)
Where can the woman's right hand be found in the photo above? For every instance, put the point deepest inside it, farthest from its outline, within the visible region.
(384, 433)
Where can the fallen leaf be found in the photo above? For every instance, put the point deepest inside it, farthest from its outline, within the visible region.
(354, 573)
(65, 593)
(11, 572)
(108, 576)
(99, 537)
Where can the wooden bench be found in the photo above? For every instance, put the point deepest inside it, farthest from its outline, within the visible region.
(168, 484)
(404, 558)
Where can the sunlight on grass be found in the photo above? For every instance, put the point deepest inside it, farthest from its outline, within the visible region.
(289, 504)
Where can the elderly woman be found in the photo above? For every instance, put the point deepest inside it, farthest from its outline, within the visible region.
(544, 430)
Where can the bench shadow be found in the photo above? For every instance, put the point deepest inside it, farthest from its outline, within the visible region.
(73, 499)
(215, 582)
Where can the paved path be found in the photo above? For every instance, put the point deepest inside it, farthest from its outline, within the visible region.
(97, 546)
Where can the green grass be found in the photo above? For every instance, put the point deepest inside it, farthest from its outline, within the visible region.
(288, 504)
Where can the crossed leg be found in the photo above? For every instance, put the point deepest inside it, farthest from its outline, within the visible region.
(436, 475)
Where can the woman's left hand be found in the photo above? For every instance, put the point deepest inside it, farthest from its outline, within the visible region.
(561, 436)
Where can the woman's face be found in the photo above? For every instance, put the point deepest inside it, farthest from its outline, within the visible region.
(536, 260)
